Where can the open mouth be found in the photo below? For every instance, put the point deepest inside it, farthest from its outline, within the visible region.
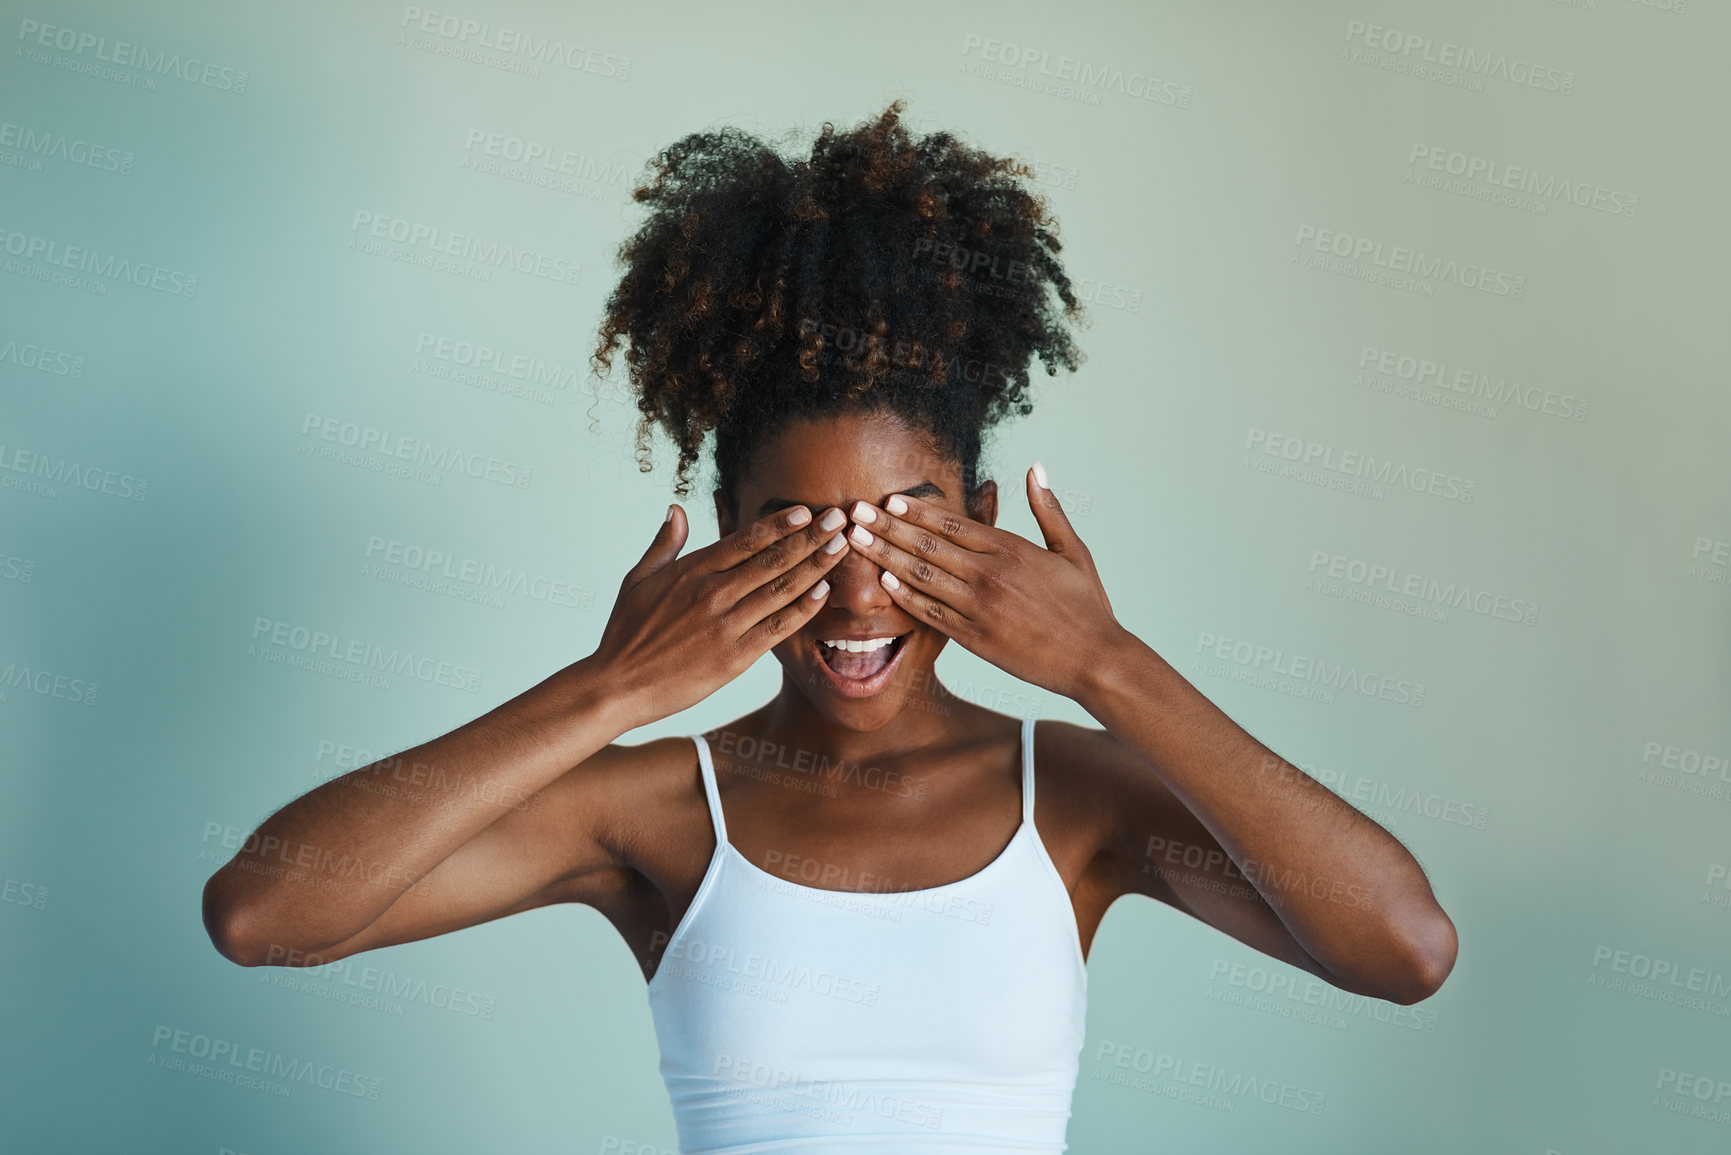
(857, 668)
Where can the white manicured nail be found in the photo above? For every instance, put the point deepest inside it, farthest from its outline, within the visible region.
(890, 582)
(821, 588)
(834, 544)
(896, 505)
(1040, 476)
(861, 535)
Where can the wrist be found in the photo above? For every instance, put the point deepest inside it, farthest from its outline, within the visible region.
(589, 689)
(1110, 668)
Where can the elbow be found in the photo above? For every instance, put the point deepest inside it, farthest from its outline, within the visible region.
(1424, 955)
(231, 928)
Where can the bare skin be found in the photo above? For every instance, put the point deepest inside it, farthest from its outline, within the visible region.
(535, 802)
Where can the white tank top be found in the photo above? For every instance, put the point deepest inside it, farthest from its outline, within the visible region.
(944, 1021)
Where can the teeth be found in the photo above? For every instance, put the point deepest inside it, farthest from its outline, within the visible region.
(861, 647)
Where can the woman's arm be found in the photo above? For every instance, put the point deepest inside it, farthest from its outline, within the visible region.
(1365, 913)
(329, 865)
(1345, 890)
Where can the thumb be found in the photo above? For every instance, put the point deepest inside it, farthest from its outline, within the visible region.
(664, 547)
(1061, 537)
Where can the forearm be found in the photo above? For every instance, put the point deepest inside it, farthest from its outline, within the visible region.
(1348, 892)
(330, 862)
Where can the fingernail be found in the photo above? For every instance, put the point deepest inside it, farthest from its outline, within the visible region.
(832, 519)
(821, 588)
(889, 580)
(1040, 476)
(834, 544)
(669, 516)
(861, 535)
(863, 512)
(799, 516)
(896, 505)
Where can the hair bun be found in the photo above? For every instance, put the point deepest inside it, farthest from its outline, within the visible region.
(916, 274)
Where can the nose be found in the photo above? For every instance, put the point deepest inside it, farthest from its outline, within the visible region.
(854, 585)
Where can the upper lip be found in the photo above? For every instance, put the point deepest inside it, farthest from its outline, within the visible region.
(857, 636)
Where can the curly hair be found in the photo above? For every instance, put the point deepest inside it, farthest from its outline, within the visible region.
(880, 273)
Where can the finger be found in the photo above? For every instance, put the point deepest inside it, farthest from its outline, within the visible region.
(748, 540)
(961, 532)
(780, 555)
(926, 608)
(1061, 537)
(924, 574)
(663, 548)
(793, 605)
(909, 533)
(790, 587)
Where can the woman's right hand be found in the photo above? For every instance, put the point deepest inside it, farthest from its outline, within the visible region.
(683, 627)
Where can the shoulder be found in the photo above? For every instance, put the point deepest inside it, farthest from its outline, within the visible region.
(623, 792)
(1097, 777)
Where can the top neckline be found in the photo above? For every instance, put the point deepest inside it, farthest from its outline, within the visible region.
(724, 844)
(1021, 829)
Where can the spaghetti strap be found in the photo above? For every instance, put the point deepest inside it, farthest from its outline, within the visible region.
(1028, 771)
(710, 791)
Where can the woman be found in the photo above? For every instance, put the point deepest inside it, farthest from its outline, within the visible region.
(862, 925)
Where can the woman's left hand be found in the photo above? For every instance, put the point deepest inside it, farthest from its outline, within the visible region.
(1040, 615)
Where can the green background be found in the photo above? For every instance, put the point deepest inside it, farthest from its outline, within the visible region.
(1188, 219)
